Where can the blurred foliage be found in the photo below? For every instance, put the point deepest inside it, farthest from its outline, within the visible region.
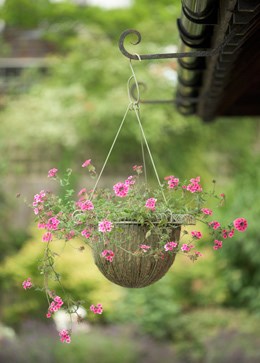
(78, 273)
(28, 14)
(201, 336)
(242, 258)
(73, 113)
(158, 308)
(97, 348)
(12, 237)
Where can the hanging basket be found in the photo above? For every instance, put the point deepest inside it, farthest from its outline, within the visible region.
(131, 267)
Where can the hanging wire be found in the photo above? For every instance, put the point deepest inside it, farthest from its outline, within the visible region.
(111, 148)
(133, 105)
(136, 109)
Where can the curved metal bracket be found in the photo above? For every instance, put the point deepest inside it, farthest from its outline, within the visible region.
(198, 53)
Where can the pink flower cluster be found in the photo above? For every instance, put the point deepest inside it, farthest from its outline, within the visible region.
(85, 205)
(173, 182)
(130, 180)
(214, 224)
(64, 336)
(52, 173)
(121, 189)
(217, 244)
(240, 224)
(108, 254)
(186, 248)
(150, 203)
(85, 233)
(169, 246)
(38, 201)
(105, 226)
(52, 224)
(228, 234)
(55, 305)
(47, 237)
(27, 284)
(207, 211)
(194, 185)
(145, 248)
(96, 309)
(196, 234)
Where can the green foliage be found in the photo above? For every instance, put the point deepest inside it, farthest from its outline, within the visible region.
(97, 348)
(25, 13)
(74, 113)
(243, 257)
(159, 309)
(11, 237)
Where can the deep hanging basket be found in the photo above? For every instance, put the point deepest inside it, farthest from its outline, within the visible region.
(131, 267)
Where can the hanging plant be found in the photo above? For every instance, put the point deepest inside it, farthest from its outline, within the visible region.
(134, 232)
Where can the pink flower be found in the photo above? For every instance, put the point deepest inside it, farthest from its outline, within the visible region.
(224, 233)
(172, 181)
(39, 198)
(27, 284)
(86, 163)
(228, 234)
(150, 203)
(214, 224)
(196, 234)
(130, 181)
(240, 224)
(231, 233)
(105, 226)
(207, 211)
(186, 248)
(82, 191)
(85, 233)
(85, 205)
(47, 237)
(41, 225)
(70, 235)
(64, 336)
(121, 189)
(52, 173)
(55, 305)
(194, 186)
(169, 246)
(197, 253)
(53, 224)
(108, 254)
(96, 309)
(217, 244)
(145, 248)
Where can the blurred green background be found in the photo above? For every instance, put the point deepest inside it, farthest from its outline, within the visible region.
(68, 112)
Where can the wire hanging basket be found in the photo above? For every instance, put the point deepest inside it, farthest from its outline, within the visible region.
(131, 267)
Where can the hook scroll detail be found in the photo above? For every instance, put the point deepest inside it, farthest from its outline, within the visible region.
(198, 53)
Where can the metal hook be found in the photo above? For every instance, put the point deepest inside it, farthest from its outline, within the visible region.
(198, 53)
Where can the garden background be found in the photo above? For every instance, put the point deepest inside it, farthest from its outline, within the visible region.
(68, 111)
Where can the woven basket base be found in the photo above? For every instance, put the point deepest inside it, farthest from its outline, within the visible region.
(129, 269)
